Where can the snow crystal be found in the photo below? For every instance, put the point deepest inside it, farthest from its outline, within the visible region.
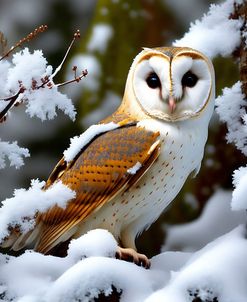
(101, 35)
(239, 194)
(27, 67)
(26, 203)
(231, 109)
(13, 152)
(135, 168)
(43, 102)
(78, 142)
(95, 243)
(215, 34)
(4, 67)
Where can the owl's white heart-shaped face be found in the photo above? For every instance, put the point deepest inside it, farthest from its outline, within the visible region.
(172, 83)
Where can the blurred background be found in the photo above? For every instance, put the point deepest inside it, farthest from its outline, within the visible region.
(112, 33)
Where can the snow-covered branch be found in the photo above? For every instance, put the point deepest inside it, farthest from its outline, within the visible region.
(215, 34)
(28, 79)
(20, 210)
(13, 153)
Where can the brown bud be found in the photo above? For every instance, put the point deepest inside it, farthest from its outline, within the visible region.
(77, 34)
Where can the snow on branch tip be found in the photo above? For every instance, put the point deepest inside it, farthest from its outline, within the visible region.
(27, 78)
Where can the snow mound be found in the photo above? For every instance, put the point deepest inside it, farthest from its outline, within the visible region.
(21, 209)
(215, 34)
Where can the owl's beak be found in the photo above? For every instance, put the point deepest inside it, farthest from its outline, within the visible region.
(172, 104)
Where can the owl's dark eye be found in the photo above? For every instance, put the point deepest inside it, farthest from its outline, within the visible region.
(189, 79)
(153, 81)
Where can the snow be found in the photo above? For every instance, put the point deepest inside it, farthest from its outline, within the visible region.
(29, 69)
(218, 271)
(46, 278)
(4, 67)
(215, 34)
(77, 143)
(22, 207)
(102, 243)
(42, 103)
(135, 168)
(239, 194)
(26, 68)
(99, 275)
(231, 109)
(101, 35)
(13, 153)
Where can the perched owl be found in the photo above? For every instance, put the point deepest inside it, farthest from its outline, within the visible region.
(125, 176)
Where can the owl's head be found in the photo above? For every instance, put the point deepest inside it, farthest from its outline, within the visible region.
(171, 83)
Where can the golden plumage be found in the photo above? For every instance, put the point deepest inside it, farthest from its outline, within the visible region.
(97, 174)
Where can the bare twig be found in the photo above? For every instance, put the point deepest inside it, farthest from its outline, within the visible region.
(28, 38)
(11, 103)
(3, 43)
(47, 81)
(76, 78)
(77, 35)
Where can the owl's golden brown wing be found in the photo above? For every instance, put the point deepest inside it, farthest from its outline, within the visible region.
(98, 173)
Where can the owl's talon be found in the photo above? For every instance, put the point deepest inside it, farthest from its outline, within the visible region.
(130, 255)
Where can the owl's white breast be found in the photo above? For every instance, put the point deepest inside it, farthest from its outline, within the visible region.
(182, 148)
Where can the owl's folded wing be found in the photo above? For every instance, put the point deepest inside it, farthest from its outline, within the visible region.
(110, 164)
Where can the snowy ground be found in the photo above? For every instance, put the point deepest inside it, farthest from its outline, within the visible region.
(218, 270)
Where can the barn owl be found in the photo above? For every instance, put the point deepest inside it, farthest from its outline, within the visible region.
(128, 172)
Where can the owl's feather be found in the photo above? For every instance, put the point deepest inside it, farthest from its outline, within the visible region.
(97, 174)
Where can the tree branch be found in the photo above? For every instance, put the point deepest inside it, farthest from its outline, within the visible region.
(46, 81)
(241, 53)
(28, 38)
(11, 103)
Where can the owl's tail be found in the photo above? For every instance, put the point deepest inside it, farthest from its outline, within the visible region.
(17, 241)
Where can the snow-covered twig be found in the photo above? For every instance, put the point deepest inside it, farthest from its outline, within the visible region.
(30, 81)
(11, 103)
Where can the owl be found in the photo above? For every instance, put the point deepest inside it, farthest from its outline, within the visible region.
(125, 176)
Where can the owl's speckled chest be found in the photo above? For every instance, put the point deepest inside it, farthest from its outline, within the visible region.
(133, 210)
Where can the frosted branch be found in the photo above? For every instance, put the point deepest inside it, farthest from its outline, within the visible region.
(13, 153)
